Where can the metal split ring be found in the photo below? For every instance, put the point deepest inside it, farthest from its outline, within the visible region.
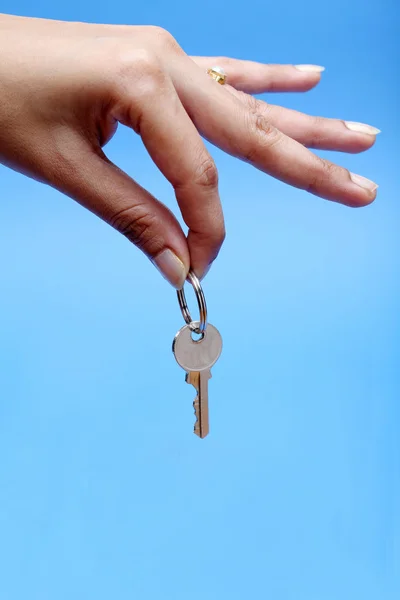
(196, 326)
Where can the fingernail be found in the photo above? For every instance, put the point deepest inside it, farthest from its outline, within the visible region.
(310, 68)
(362, 128)
(171, 268)
(363, 182)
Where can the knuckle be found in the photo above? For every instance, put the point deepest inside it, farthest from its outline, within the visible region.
(262, 136)
(259, 110)
(252, 103)
(324, 171)
(206, 174)
(329, 169)
(137, 78)
(138, 66)
(138, 225)
(164, 38)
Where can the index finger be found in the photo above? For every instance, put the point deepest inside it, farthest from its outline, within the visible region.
(147, 101)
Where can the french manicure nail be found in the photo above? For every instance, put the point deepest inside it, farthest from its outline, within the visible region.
(171, 268)
(362, 128)
(310, 68)
(363, 182)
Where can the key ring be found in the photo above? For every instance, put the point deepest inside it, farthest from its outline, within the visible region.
(201, 301)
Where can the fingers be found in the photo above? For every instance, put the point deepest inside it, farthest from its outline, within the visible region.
(92, 180)
(313, 132)
(150, 105)
(249, 135)
(256, 78)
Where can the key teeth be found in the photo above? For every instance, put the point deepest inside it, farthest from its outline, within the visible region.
(196, 428)
(192, 379)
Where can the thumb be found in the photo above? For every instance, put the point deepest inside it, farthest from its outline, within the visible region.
(96, 183)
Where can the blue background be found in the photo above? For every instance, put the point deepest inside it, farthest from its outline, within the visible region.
(104, 490)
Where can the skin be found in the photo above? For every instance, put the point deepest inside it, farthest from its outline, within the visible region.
(65, 86)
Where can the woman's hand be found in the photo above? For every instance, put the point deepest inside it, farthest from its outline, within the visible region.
(66, 86)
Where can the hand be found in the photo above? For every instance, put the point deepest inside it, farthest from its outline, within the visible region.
(66, 86)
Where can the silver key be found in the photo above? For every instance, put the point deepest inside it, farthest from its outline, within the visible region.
(197, 358)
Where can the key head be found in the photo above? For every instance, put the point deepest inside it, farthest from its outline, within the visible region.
(199, 355)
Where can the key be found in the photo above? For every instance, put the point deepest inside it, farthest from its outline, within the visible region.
(197, 357)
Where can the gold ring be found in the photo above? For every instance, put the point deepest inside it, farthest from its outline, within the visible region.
(218, 74)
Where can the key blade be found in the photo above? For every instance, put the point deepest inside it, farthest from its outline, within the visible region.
(193, 378)
(200, 381)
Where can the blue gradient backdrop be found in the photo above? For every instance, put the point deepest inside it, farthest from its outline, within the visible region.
(104, 490)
